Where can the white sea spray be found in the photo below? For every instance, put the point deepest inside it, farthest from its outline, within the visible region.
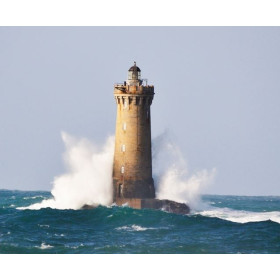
(172, 179)
(88, 176)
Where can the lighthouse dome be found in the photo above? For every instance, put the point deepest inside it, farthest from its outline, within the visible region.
(134, 68)
(134, 73)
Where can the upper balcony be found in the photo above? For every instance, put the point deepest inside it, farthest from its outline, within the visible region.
(123, 88)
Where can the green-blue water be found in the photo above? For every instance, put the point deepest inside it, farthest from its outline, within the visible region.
(227, 224)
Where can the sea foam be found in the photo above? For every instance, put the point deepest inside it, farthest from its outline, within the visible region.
(88, 176)
(134, 228)
(44, 246)
(240, 216)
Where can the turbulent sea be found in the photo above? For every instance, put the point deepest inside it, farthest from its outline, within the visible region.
(225, 224)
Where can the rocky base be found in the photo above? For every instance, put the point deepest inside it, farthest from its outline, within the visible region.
(151, 203)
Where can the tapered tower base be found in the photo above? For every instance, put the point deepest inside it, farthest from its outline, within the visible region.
(134, 189)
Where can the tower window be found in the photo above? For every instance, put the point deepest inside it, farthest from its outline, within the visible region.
(123, 147)
(122, 169)
(120, 190)
(125, 104)
(124, 126)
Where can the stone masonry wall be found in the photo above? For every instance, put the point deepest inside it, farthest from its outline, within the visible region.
(132, 171)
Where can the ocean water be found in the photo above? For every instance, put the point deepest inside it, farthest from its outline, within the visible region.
(224, 224)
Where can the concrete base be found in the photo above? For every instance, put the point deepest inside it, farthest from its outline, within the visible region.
(151, 203)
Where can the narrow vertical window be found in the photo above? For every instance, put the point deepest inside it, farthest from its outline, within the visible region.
(123, 148)
(148, 114)
(124, 126)
(120, 190)
(125, 103)
(122, 169)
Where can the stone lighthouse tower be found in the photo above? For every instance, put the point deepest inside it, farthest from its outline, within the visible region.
(133, 183)
(132, 171)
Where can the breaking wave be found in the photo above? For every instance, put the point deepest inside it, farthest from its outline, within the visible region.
(88, 176)
(240, 216)
(172, 178)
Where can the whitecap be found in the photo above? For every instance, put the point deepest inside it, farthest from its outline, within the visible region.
(44, 226)
(240, 216)
(75, 247)
(133, 228)
(44, 246)
(59, 234)
(33, 197)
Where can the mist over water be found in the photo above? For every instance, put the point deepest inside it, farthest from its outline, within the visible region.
(88, 176)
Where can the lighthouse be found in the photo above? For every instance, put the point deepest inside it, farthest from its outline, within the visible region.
(133, 183)
(132, 170)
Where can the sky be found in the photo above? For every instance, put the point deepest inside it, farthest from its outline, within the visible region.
(216, 93)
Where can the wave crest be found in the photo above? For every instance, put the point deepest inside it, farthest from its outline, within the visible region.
(240, 216)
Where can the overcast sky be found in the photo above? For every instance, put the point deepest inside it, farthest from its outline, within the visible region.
(217, 92)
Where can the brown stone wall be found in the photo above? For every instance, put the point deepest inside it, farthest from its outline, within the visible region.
(132, 159)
